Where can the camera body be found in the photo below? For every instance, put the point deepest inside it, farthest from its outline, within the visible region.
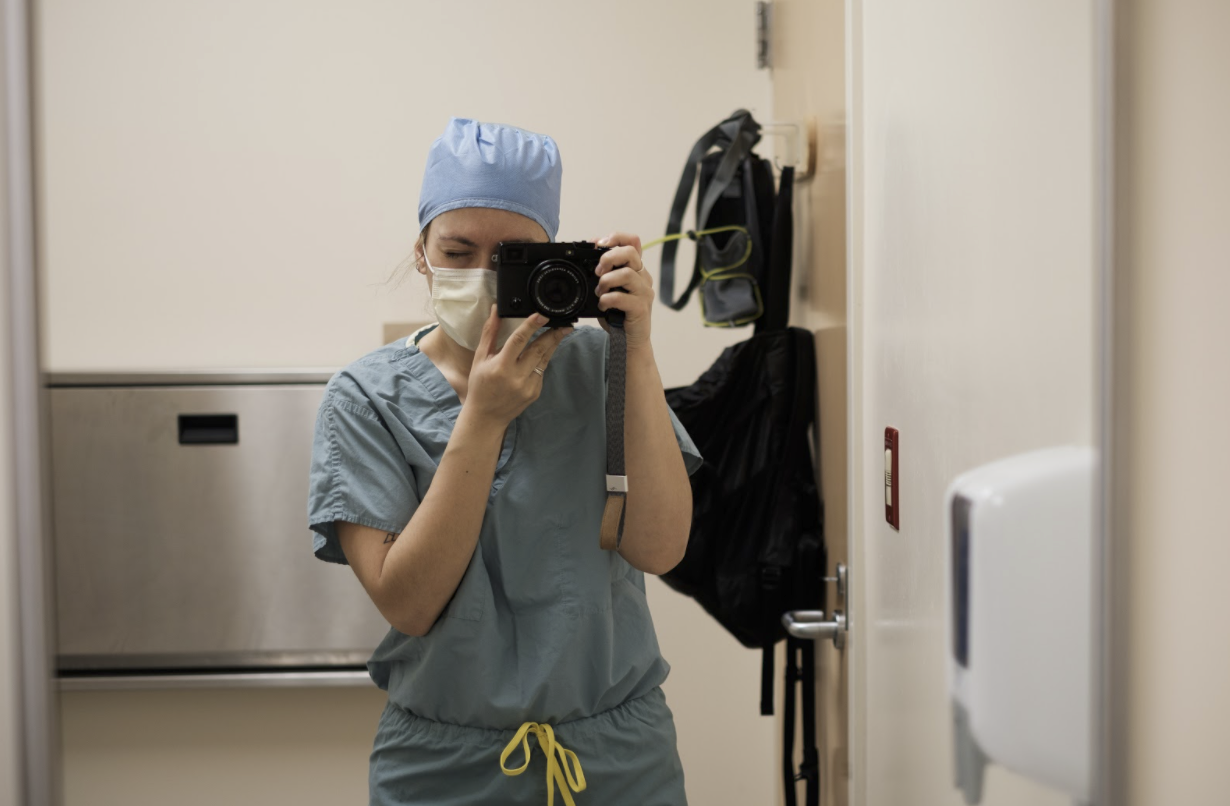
(556, 280)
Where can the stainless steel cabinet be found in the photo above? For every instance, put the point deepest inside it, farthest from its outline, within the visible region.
(181, 544)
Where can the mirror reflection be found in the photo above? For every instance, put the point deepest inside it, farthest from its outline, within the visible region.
(507, 402)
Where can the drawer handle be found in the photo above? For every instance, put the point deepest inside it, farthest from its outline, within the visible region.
(209, 429)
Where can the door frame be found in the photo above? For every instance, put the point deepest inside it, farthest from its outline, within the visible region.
(32, 680)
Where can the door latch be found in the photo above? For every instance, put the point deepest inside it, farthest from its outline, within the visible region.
(812, 625)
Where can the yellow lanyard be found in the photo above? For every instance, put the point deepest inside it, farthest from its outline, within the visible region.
(558, 771)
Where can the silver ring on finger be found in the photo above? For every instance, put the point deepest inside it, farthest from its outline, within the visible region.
(540, 371)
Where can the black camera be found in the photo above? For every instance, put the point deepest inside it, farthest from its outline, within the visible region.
(556, 280)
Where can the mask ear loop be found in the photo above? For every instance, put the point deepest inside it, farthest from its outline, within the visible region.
(420, 249)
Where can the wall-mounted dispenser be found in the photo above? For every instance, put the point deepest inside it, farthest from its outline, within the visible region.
(1021, 619)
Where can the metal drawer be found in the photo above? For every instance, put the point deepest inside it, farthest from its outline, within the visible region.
(181, 544)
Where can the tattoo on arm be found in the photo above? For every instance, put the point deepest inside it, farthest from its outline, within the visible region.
(390, 537)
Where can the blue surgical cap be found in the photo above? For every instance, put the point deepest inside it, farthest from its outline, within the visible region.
(477, 164)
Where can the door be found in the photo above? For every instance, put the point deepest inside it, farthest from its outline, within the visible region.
(946, 242)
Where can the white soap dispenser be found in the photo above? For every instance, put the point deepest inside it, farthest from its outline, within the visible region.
(1021, 607)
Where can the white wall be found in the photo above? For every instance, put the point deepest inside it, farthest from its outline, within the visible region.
(971, 325)
(230, 183)
(1171, 398)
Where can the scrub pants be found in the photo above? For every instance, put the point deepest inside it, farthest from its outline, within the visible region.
(627, 754)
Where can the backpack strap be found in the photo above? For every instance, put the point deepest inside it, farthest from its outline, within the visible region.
(776, 290)
(809, 769)
(788, 710)
(806, 590)
(739, 149)
(767, 662)
(800, 671)
(739, 132)
(773, 602)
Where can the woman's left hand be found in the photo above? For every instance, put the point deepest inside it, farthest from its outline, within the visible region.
(624, 284)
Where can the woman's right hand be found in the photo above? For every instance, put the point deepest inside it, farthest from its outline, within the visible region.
(503, 383)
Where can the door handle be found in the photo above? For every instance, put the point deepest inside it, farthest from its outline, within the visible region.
(810, 625)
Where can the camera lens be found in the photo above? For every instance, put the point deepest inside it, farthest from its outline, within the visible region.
(557, 289)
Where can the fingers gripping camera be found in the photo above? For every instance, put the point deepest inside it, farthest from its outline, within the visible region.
(556, 280)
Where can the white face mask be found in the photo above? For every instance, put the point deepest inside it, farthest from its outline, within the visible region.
(462, 300)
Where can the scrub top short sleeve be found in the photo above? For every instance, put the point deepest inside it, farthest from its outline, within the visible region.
(359, 473)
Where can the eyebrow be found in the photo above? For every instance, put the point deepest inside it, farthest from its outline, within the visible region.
(467, 242)
(459, 239)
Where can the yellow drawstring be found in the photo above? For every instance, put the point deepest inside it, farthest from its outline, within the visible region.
(693, 235)
(558, 772)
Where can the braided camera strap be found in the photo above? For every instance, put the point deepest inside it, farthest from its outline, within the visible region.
(612, 532)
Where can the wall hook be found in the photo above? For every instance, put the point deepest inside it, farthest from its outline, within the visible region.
(799, 137)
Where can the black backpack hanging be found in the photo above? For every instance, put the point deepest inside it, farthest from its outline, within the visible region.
(756, 548)
(740, 251)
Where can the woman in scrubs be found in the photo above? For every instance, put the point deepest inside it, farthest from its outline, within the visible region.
(461, 475)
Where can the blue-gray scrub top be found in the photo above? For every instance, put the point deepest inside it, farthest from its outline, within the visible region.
(545, 625)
